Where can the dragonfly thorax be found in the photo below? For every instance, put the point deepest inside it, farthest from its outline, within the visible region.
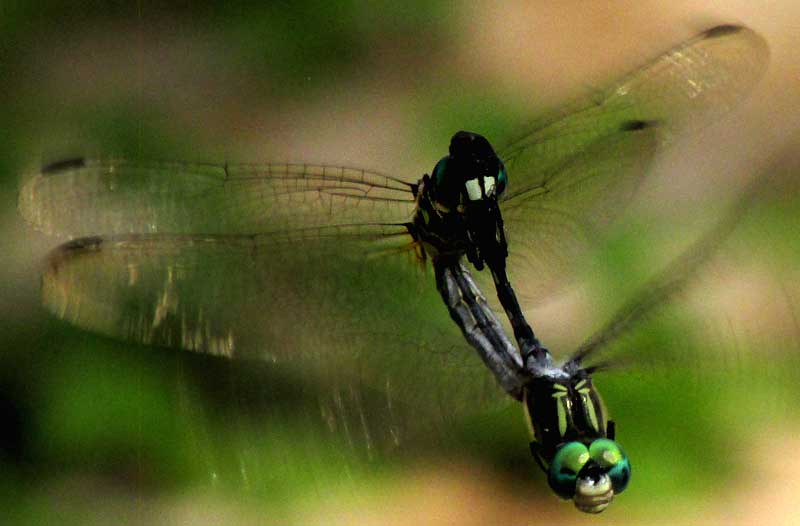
(560, 411)
(457, 209)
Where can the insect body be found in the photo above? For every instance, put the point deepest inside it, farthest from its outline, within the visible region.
(457, 213)
(573, 439)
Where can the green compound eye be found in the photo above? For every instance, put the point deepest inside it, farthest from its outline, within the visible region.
(568, 461)
(610, 456)
(502, 179)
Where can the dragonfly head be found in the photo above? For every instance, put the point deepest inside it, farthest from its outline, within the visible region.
(590, 474)
(479, 165)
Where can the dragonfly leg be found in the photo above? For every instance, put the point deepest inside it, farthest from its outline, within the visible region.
(480, 326)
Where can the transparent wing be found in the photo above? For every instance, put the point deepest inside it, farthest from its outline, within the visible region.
(86, 197)
(728, 298)
(573, 174)
(312, 305)
(670, 282)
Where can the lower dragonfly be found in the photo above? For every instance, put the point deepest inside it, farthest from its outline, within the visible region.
(573, 437)
(231, 259)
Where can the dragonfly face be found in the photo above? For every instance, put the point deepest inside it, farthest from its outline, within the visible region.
(481, 171)
(589, 474)
(574, 441)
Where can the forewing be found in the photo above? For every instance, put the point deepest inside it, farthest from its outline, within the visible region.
(87, 197)
(574, 173)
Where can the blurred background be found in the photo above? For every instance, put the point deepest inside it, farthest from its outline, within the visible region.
(96, 431)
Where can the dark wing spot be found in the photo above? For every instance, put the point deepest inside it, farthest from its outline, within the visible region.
(82, 243)
(72, 249)
(636, 125)
(721, 31)
(66, 164)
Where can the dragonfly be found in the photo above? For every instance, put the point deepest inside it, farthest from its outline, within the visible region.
(320, 269)
(573, 437)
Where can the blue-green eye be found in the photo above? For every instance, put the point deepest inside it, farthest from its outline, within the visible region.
(564, 468)
(610, 456)
(502, 179)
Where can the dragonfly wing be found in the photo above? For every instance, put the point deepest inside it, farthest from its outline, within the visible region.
(727, 296)
(313, 306)
(87, 197)
(572, 175)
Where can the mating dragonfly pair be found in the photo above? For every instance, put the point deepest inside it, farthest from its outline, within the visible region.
(230, 259)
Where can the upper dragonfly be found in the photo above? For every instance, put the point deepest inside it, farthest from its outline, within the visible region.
(309, 265)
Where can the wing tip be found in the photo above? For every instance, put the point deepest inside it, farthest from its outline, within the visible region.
(63, 165)
(72, 248)
(82, 243)
(722, 30)
(639, 124)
